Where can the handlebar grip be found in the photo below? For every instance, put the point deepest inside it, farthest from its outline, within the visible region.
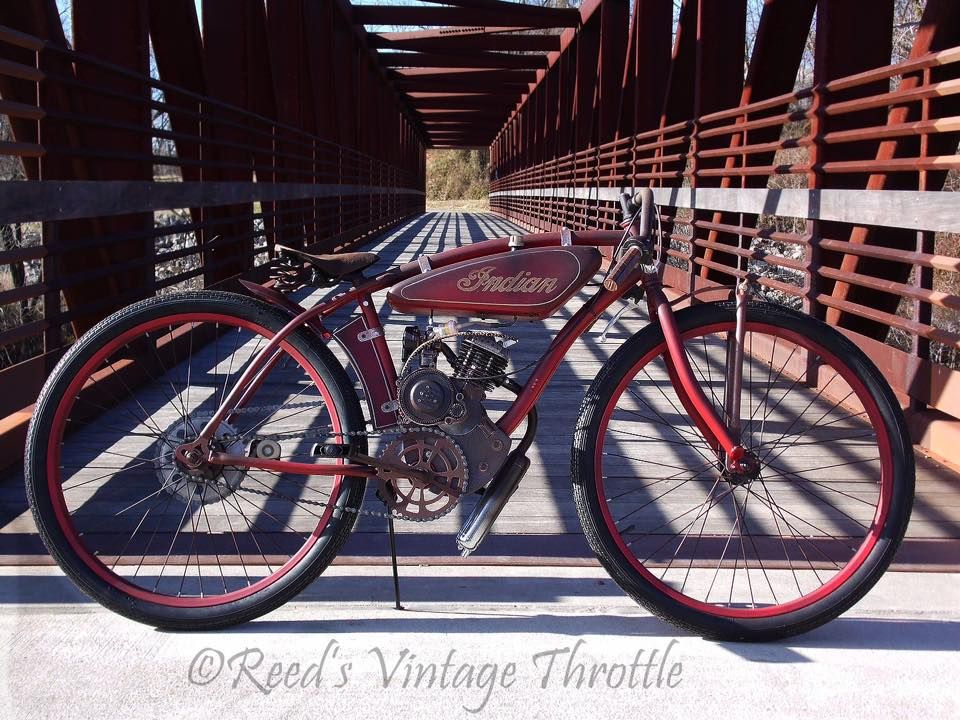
(622, 270)
(646, 211)
(627, 206)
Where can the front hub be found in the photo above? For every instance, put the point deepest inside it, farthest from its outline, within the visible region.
(742, 471)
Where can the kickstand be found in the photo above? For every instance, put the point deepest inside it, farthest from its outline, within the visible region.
(393, 558)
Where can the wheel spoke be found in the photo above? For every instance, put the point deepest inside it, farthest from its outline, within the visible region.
(210, 535)
(770, 533)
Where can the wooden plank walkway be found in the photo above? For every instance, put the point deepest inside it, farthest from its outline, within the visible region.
(540, 522)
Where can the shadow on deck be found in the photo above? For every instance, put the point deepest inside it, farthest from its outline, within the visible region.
(540, 525)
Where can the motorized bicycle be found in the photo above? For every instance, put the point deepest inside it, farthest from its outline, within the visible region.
(739, 468)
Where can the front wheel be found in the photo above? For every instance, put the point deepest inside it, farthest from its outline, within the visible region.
(143, 535)
(738, 557)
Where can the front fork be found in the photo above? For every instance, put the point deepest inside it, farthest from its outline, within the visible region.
(733, 378)
(721, 434)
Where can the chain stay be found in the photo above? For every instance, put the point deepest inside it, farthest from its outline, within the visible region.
(315, 434)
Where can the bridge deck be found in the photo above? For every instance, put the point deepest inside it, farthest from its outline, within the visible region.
(540, 522)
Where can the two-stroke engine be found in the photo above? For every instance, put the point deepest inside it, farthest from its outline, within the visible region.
(451, 405)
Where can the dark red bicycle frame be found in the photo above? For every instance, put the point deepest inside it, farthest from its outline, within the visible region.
(694, 400)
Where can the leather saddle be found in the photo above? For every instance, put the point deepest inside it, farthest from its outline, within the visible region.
(333, 267)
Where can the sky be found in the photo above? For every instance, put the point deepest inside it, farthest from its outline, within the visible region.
(64, 7)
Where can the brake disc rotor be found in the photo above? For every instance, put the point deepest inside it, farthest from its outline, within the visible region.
(426, 451)
(174, 480)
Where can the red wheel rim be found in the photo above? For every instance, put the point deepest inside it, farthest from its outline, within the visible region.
(885, 489)
(57, 433)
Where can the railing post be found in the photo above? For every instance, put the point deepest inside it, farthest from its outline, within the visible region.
(922, 275)
(812, 258)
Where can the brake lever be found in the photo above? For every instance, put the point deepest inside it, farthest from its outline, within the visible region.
(631, 303)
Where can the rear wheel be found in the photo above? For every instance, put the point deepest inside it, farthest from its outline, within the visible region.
(123, 518)
(764, 554)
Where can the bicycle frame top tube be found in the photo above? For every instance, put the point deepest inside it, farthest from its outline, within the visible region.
(713, 427)
(362, 294)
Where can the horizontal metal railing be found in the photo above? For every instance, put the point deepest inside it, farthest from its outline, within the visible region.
(137, 186)
(728, 220)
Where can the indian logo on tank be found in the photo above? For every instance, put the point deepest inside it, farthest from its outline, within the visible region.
(527, 283)
(483, 280)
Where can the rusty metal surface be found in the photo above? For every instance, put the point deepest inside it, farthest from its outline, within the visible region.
(861, 125)
(245, 103)
(289, 93)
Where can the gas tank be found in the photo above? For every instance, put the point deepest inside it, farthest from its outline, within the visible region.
(530, 283)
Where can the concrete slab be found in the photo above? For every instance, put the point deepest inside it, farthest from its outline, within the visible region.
(342, 651)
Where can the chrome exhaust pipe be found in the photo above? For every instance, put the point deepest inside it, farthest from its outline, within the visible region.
(501, 488)
(494, 499)
(491, 503)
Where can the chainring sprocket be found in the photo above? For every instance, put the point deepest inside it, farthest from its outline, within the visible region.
(427, 451)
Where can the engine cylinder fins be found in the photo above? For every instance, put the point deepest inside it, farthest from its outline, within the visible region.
(480, 360)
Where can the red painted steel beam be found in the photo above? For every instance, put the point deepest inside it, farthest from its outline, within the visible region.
(178, 51)
(551, 85)
(462, 140)
(293, 88)
(614, 32)
(464, 74)
(41, 19)
(344, 15)
(837, 57)
(505, 61)
(568, 44)
(777, 52)
(644, 79)
(492, 95)
(318, 19)
(585, 85)
(463, 42)
(344, 50)
(681, 77)
(466, 85)
(565, 67)
(939, 29)
(237, 65)
(118, 34)
(433, 120)
(481, 103)
(718, 84)
(508, 5)
(462, 117)
(506, 13)
(444, 32)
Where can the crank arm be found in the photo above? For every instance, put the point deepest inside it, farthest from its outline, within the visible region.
(406, 471)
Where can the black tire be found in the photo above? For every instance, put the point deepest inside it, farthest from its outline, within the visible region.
(585, 459)
(316, 559)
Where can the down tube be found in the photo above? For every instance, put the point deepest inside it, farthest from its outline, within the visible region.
(581, 321)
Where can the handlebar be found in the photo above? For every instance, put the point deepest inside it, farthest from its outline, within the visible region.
(646, 210)
(627, 262)
(628, 205)
(625, 266)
